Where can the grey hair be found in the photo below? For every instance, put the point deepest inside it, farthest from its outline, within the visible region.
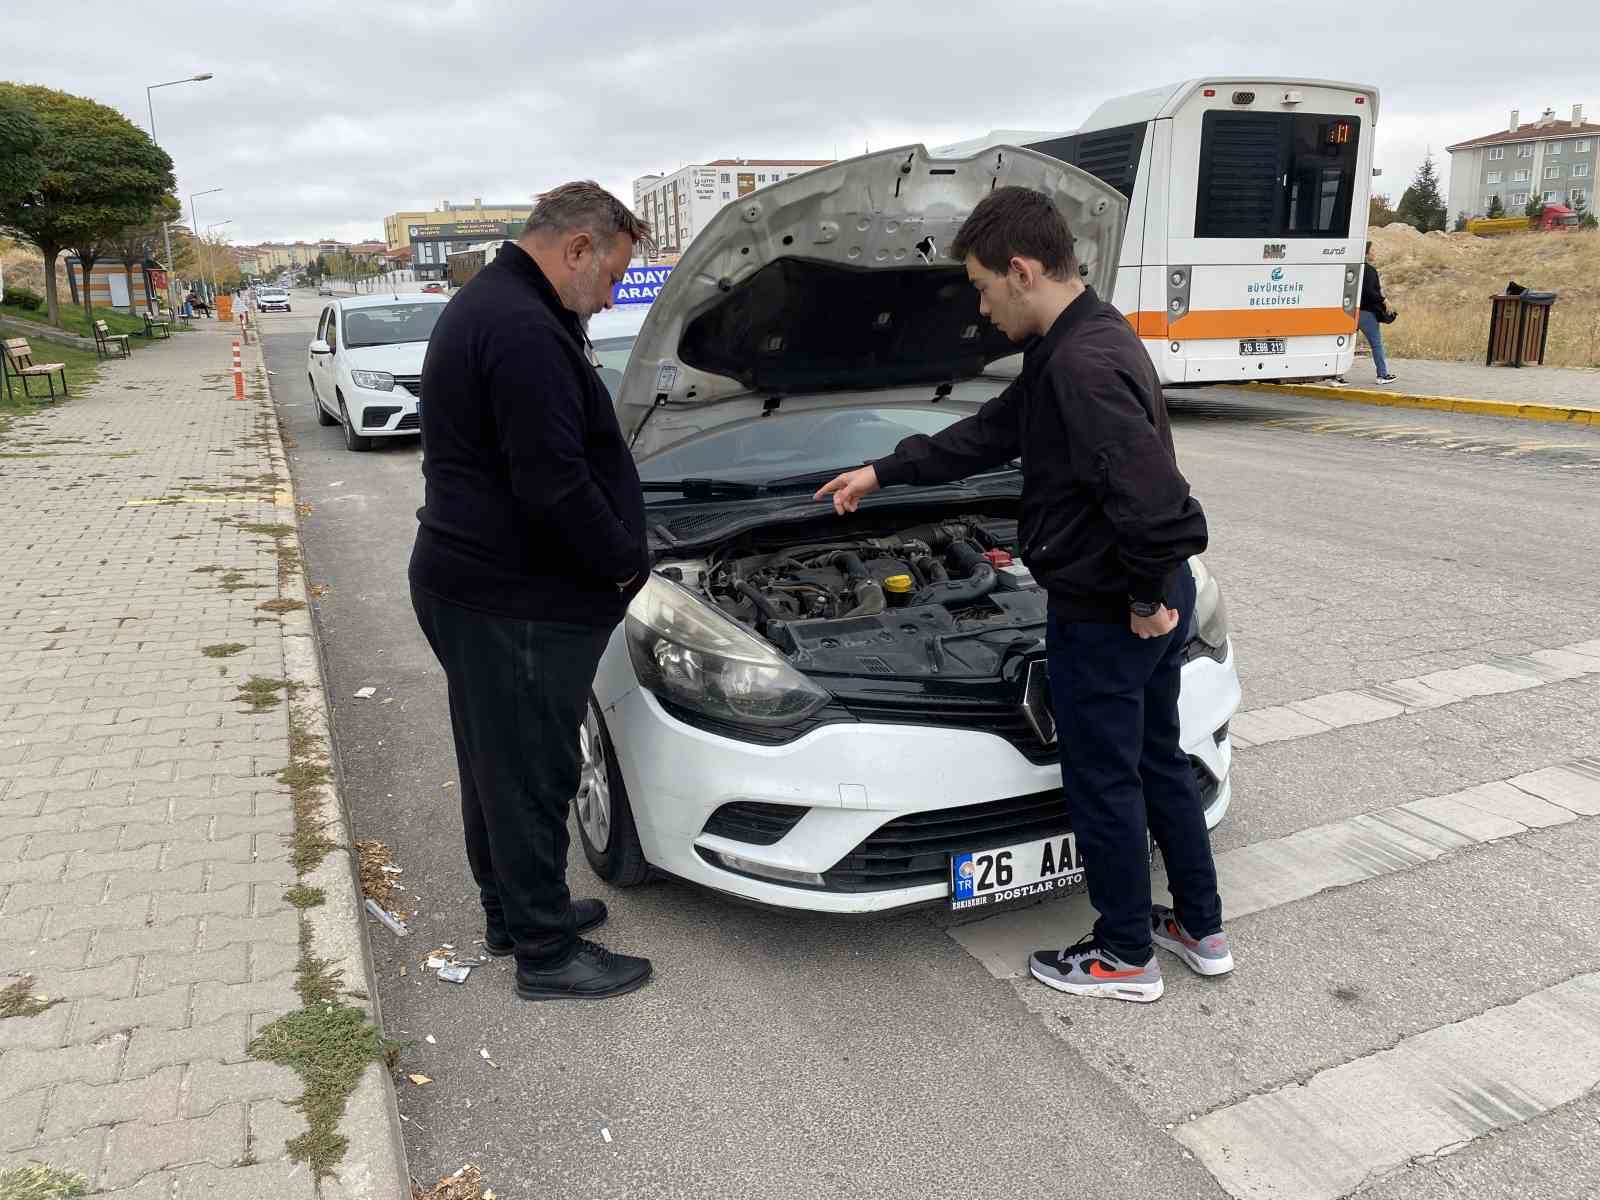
(583, 206)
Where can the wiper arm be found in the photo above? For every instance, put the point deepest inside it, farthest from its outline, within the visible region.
(696, 489)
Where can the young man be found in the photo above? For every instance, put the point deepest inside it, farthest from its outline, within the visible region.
(1108, 526)
(531, 543)
(1374, 308)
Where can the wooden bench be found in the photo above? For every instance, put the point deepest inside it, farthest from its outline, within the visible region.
(105, 342)
(19, 362)
(154, 322)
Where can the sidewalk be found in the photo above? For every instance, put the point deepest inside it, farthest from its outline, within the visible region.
(166, 806)
(1558, 394)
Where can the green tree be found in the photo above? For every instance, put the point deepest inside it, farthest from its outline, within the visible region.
(21, 138)
(1534, 208)
(1586, 219)
(1379, 211)
(1421, 206)
(1496, 208)
(1461, 222)
(102, 173)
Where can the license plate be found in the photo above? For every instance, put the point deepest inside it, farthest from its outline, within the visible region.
(1261, 346)
(1049, 866)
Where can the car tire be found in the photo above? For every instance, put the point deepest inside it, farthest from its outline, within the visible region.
(323, 418)
(352, 439)
(605, 817)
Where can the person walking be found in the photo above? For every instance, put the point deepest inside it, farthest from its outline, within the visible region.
(1375, 313)
(1108, 526)
(530, 544)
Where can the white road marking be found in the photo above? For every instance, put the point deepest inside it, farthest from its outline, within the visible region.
(1282, 870)
(1429, 1095)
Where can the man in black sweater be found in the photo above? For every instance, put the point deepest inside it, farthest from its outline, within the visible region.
(1107, 525)
(531, 543)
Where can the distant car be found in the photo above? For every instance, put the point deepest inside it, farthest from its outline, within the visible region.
(272, 300)
(433, 289)
(365, 365)
(325, 290)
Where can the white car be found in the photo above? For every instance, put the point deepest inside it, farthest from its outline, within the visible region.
(272, 299)
(839, 713)
(365, 365)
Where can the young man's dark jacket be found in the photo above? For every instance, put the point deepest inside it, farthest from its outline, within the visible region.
(1106, 515)
(532, 506)
(1371, 290)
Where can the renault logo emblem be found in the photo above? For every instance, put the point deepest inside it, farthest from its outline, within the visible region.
(1036, 702)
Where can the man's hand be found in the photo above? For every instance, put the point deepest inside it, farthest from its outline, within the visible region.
(848, 489)
(1159, 625)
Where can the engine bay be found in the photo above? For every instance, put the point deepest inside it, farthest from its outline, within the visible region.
(948, 598)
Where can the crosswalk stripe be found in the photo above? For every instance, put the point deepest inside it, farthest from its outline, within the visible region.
(1282, 870)
(1382, 701)
(1429, 1095)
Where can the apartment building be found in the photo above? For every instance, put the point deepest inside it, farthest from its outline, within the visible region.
(1551, 159)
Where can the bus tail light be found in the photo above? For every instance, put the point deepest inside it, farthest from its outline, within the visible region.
(1176, 347)
(1178, 280)
(1340, 342)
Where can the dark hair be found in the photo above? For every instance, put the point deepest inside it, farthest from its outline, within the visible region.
(1017, 222)
(585, 206)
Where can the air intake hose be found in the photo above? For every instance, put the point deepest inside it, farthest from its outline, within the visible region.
(956, 592)
(868, 591)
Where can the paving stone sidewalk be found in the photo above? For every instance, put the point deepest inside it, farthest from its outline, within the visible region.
(143, 855)
(1564, 386)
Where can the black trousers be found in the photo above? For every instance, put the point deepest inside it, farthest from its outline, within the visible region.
(518, 690)
(1115, 697)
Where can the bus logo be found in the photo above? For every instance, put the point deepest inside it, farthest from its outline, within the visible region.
(1277, 274)
(1275, 250)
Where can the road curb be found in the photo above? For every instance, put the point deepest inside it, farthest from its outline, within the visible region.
(1552, 413)
(374, 1167)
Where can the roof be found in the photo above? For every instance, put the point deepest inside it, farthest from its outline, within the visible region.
(1532, 131)
(382, 298)
(770, 162)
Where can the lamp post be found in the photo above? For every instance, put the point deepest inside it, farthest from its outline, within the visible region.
(166, 237)
(194, 221)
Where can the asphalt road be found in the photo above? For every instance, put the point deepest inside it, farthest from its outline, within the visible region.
(780, 1055)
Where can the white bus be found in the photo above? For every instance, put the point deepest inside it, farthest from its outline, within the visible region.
(1247, 219)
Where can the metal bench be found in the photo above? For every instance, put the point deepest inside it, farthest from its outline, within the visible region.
(106, 342)
(19, 362)
(152, 323)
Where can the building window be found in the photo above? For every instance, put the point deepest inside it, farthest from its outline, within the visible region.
(1525, 150)
(1580, 170)
(1521, 175)
(724, 178)
(1494, 176)
(1577, 196)
(1549, 197)
(1553, 172)
(1518, 199)
(1555, 147)
(761, 178)
(725, 196)
(1496, 153)
(1583, 147)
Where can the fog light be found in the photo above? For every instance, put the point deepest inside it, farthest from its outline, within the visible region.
(1176, 305)
(749, 866)
(1340, 342)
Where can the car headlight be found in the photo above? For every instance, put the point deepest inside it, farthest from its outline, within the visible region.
(375, 381)
(1210, 613)
(685, 651)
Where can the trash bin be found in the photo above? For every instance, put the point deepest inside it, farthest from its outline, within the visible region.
(1519, 326)
(225, 308)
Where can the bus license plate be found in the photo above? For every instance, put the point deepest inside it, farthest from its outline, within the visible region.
(1049, 866)
(1261, 346)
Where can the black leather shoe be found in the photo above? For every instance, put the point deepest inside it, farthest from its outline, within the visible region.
(589, 914)
(593, 974)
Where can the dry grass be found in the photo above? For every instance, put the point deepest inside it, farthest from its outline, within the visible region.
(1441, 284)
(380, 886)
(465, 1184)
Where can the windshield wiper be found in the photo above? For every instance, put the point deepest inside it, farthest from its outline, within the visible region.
(699, 489)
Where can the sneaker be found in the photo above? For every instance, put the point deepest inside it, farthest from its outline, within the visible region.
(1088, 970)
(593, 973)
(589, 914)
(1387, 378)
(1208, 955)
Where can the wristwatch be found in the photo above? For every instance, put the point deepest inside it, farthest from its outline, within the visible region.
(1145, 608)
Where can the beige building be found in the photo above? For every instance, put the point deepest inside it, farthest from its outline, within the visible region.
(397, 226)
(677, 206)
(276, 256)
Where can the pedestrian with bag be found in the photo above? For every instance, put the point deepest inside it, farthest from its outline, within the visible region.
(530, 545)
(1376, 312)
(1107, 526)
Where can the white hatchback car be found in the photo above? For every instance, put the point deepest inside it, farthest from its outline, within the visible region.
(838, 713)
(365, 364)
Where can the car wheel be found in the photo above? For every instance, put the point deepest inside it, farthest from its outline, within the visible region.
(352, 439)
(605, 818)
(322, 414)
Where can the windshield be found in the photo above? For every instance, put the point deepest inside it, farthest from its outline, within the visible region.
(390, 324)
(612, 354)
(777, 447)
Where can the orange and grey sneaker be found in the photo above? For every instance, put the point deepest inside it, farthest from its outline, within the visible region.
(1208, 955)
(1088, 969)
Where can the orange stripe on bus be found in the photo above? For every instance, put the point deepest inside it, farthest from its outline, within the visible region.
(1245, 323)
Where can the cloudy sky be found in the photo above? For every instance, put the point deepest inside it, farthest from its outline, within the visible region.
(322, 118)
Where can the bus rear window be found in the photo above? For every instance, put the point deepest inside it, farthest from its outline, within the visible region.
(1276, 175)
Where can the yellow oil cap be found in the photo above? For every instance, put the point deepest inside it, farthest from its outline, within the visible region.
(897, 585)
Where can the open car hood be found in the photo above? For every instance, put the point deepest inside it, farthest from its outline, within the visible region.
(840, 280)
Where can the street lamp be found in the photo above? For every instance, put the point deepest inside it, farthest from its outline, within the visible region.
(165, 236)
(194, 221)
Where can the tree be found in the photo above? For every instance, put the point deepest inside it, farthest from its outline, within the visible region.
(1534, 208)
(140, 241)
(1379, 211)
(1421, 205)
(1461, 222)
(1586, 219)
(21, 138)
(102, 173)
(1496, 209)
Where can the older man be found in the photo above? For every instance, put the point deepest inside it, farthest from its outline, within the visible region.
(531, 543)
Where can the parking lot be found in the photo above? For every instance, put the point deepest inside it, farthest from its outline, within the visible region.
(1381, 949)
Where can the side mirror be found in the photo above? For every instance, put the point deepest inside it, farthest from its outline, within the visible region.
(321, 347)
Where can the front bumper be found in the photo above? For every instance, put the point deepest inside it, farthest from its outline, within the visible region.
(853, 779)
(383, 414)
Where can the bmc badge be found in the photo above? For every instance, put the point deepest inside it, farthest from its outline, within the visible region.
(1274, 250)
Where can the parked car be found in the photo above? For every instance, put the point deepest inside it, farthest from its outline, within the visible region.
(272, 299)
(823, 712)
(433, 289)
(325, 289)
(365, 365)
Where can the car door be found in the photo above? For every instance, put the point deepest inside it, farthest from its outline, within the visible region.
(327, 376)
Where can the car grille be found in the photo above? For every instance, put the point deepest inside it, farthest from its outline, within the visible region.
(1002, 720)
(411, 383)
(915, 849)
(410, 421)
(754, 823)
